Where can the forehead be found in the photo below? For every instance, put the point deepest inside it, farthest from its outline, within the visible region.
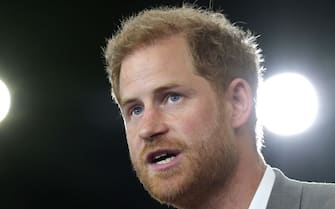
(164, 61)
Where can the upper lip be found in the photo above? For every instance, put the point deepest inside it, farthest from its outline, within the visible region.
(151, 156)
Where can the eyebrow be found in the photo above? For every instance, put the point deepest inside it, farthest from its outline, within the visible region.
(165, 87)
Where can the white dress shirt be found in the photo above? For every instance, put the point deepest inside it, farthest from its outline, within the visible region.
(262, 195)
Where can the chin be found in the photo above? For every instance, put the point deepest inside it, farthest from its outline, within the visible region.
(170, 195)
(166, 189)
(173, 188)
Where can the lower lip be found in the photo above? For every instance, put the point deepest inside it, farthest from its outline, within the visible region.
(166, 166)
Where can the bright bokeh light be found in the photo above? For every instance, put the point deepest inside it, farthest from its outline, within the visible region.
(4, 100)
(287, 104)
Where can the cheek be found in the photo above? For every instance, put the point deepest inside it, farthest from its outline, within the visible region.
(131, 142)
(197, 120)
(191, 126)
(133, 152)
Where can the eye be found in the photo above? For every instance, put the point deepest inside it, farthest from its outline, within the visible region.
(136, 111)
(174, 97)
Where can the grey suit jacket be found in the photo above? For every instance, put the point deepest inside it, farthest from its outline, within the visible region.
(291, 194)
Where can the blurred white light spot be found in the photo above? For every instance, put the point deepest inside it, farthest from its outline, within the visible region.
(4, 100)
(287, 104)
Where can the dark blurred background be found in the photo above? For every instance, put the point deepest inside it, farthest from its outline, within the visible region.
(62, 143)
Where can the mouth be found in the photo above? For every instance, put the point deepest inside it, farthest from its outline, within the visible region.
(162, 157)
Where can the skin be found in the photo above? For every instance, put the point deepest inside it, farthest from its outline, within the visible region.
(168, 108)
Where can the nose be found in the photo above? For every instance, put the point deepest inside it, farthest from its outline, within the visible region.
(152, 124)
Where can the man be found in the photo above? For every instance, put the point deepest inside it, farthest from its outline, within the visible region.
(185, 80)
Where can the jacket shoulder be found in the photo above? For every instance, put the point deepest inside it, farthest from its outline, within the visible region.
(318, 195)
(290, 193)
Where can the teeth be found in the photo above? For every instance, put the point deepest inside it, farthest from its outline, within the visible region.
(167, 160)
(159, 156)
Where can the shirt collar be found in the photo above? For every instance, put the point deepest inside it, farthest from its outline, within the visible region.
(261, 197)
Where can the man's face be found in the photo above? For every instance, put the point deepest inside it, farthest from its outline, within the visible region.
(178, 132)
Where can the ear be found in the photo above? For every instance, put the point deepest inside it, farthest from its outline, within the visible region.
(239, 95)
